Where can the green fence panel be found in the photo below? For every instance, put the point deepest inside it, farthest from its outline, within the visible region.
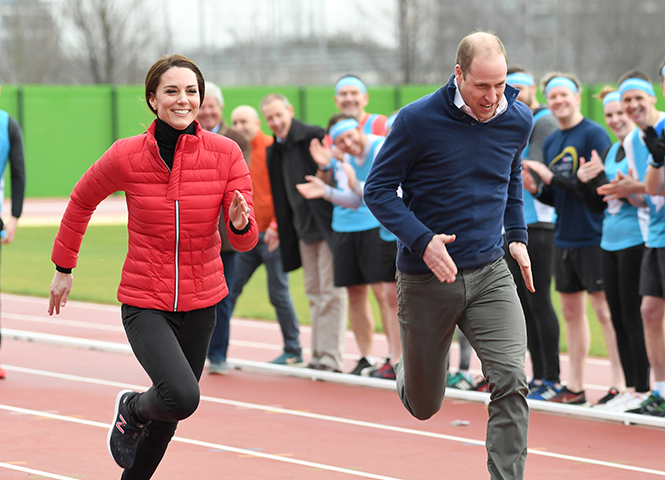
(411, 93)
(9, 100)
(65, 130)
(132, 115)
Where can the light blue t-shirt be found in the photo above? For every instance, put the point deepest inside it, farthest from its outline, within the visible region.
(4, 151)
(638, 156)
(347, 219)
(622, 227)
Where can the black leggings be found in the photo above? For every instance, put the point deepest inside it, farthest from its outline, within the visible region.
(621, 279)
(542, 324)
(171, 347)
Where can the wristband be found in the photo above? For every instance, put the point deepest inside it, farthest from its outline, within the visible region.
(63, 270)
(326, 168)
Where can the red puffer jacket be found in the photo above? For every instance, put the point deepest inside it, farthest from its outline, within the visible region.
(173, 261)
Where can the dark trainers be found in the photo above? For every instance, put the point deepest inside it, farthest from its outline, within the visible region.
(546, 391)
(569, 397)
(124, 435)
(289, 359)
(654, 406)
(481, 386)
(386, 371)
(612, 392)
(363, 368)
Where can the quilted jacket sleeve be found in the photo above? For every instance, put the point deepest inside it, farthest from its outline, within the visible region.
(238, 179)
(95, 185)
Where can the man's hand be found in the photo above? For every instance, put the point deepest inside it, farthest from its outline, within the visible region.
(9, 228)
(320, 153)
(271, 238)
(59, 292)
(655, 145)
(438, 260)
(314, 188)
(540, 169)
(591, 169)
(519, 252)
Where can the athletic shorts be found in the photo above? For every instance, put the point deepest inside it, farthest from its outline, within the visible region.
(356, 258)
(652, 273)
(578, 269)
(388, 262)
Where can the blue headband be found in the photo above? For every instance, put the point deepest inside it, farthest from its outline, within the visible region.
(341, 127)
(520, 78)
(390, 120)
(612, 97)
(636, 84)
(662, 71)
(561, 82)
(356, 82)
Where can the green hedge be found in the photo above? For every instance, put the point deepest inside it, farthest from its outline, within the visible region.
(67, 128)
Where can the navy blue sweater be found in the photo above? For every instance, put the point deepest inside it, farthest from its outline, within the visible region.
(459, 176)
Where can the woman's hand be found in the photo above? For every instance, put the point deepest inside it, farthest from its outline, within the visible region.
(59, 292)
(239, 211)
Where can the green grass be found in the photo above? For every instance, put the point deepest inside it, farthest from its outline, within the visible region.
(27, 270)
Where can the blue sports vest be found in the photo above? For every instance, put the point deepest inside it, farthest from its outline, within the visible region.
(4, 151)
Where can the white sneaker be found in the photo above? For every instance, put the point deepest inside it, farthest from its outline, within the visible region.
(634, 400)
(614, 403)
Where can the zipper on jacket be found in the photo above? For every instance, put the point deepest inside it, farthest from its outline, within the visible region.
(177, 237)
(177, 254)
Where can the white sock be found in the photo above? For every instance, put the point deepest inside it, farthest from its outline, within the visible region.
(660, 386)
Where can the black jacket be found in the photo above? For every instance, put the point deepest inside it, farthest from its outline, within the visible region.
(295, 148)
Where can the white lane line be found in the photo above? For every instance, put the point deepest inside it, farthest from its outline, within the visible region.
(371, 425)
(32, 471)
(200, 443)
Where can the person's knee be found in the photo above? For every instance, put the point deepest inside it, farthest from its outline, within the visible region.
(183, 401)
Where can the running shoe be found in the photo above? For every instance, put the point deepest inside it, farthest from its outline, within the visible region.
(3, 374)
(289, 359)
(534, 385)
(547, 391)
(363, 368)
(124, 434)
(218, 367)
(482, 386)
(622, 402)
(612, 393)
(569, 397)
(459, 381)
(386, 371)
(654, 405)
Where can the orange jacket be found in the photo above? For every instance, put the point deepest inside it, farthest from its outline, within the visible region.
(258, 170)
(173, 260)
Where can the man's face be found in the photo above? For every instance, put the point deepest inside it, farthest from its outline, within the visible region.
(278, 117)
(350, 100)
(638, 105)
(352, 142)
(483, 85)
(563, 103)
(527, 93)
(210, 114)
(246, 122)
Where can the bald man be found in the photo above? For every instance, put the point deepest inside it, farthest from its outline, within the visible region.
(245, 119)
(461, 191)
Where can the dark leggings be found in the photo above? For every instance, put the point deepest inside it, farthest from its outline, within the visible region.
(171, 347)
(621, 279)
(542, 324)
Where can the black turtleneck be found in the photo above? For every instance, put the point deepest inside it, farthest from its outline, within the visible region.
(167, 137)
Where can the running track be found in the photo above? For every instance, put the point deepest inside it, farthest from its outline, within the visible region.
(260, 422)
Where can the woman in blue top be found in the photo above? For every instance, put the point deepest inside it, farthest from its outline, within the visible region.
(362, 247)
(624, 230)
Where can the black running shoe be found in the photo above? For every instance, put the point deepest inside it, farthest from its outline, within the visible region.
(124, 434)
(363, 368)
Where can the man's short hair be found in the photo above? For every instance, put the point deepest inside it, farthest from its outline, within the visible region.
(516, 69)
(271, 97)
(634, 74)
(468, 48)
(215, 91)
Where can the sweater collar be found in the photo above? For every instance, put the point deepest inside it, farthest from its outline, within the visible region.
(450, 90)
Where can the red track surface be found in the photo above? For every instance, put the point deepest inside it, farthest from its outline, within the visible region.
(252, 425)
